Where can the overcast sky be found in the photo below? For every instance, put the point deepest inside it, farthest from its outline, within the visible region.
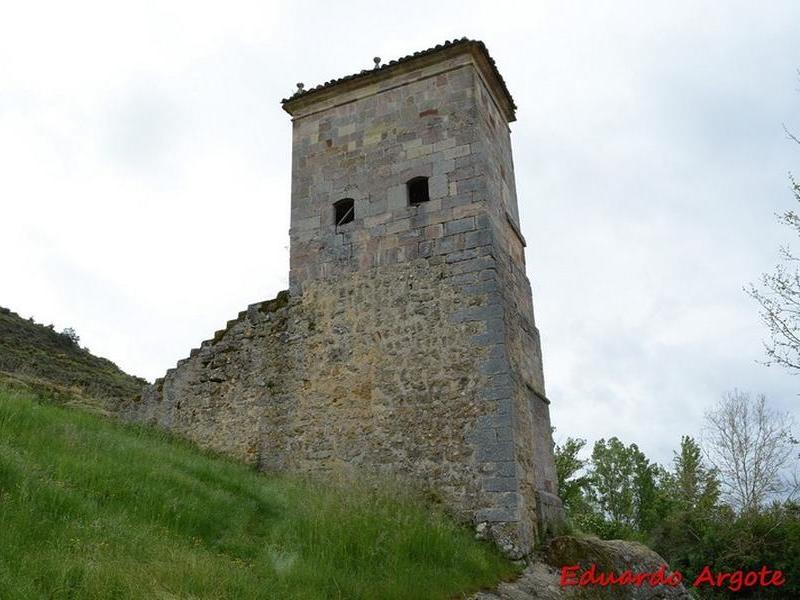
(145, 172)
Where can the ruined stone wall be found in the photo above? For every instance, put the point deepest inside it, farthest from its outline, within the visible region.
(389, 370)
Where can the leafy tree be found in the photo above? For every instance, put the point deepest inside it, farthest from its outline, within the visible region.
(648, 503)
(746, 541)
(691, 518)
(624, 485)
(572, 483)
(680, 512)
(611, 478)
(695, 486)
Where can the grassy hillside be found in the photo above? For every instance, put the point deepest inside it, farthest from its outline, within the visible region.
(94, 509)
(37, 357)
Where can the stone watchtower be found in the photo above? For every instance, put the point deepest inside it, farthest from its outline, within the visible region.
(404, 214)
(406, 344)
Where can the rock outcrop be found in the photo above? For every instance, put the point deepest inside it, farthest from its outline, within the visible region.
(541, 580)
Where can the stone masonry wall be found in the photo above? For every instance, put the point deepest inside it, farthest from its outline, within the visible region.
(388, 370)
(406, 344)
(430, 122)
(533, 434)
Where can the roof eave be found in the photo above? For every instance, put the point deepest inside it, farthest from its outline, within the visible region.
(302, 100)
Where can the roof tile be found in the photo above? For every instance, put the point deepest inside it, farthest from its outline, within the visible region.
(367, 72)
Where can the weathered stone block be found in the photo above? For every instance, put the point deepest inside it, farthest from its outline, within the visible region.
(463, 255)
(437, 186)
(434, 231)
(498, 451)
(418, 151)
(501, 484)
(444, 144)
(456, 152)
(396, 197)
(474, 239)
(398, 226)
(459, 226)
(441, 167)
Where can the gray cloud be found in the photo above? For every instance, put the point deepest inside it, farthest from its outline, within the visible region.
(148, 184)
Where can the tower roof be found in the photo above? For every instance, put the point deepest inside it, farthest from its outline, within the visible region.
(485, 62)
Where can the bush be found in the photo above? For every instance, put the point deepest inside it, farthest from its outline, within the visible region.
(71, 335)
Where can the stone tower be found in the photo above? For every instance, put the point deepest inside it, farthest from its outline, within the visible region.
(406, 344)
(404, 174)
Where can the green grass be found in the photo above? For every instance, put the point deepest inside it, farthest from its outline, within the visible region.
(90, 508)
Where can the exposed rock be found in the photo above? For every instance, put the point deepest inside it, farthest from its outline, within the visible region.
(539, 580)
(542, 578)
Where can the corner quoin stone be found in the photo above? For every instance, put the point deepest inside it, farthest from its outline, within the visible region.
(406, 343)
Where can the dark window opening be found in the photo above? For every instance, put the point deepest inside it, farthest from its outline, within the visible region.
(418, 190)
(344, 211)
